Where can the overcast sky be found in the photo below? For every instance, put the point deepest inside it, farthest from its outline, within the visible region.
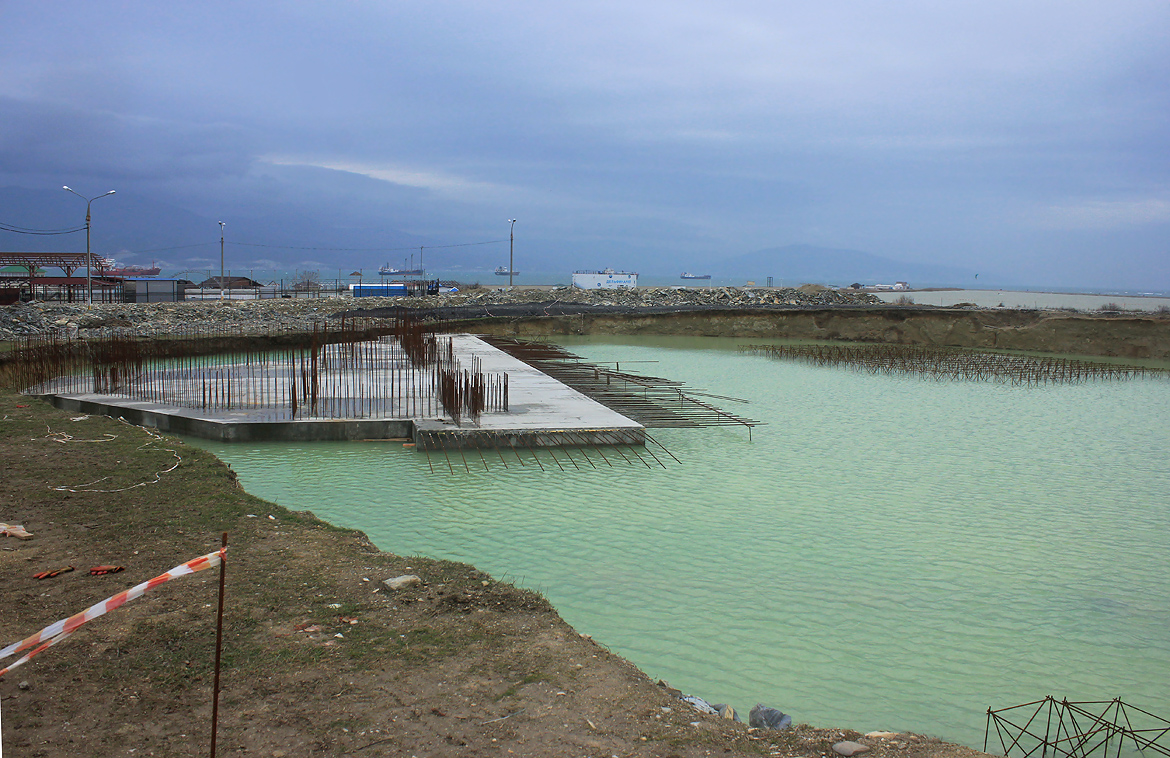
(1025, 138)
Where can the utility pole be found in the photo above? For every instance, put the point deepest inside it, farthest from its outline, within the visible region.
(511, 244)
(221, 281)
(88, 276)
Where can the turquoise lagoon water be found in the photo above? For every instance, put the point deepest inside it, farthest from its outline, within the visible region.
(887, 553)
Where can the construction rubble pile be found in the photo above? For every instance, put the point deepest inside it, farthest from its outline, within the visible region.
(37, 317)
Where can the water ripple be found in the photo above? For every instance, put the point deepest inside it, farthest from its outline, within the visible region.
(887, 553)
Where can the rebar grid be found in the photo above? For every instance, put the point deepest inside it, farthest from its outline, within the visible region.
(953, 363)
(394, 367)
(564, 450)
(1049, 727)
(652, 401)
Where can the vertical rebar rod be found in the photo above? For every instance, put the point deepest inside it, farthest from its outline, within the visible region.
(218, 643)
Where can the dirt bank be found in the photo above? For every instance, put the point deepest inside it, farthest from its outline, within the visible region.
(321, 659)
(1126, 336)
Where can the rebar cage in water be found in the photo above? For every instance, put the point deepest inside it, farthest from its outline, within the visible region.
(652, 401)
(1051, 728)
(953, 363)
(395, 367)
(564, 450)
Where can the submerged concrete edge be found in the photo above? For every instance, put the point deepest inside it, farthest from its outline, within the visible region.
(178, 421)
(426, 434)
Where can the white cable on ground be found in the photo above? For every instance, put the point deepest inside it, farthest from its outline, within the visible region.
(64, 438)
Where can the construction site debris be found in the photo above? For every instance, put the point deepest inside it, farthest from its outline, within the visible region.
(14, 530)
(52, 572)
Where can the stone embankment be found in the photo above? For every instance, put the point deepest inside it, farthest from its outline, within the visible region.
(152, 318)
(806, 313)
(1056, 332)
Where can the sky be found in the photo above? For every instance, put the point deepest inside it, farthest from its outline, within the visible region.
(1028, 140)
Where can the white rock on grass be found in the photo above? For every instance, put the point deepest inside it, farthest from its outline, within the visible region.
(849, 747)
(402, 582)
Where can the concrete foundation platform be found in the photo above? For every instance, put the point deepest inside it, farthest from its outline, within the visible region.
(542, 412)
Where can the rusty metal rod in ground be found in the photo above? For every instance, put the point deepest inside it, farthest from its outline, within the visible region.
(218, 645)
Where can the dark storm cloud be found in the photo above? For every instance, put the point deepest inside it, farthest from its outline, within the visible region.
(982, 132)
(46, 137)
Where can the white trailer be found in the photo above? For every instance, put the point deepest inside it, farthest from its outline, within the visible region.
(606, 279)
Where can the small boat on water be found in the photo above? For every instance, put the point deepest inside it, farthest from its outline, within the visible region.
(503, 271)
(688, 275)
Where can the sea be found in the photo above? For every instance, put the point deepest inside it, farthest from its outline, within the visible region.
(883, 552)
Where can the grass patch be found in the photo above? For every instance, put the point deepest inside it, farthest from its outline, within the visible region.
(512, 690)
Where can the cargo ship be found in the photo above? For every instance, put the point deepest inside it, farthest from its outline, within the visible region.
(113, 269)
(688, 275)
(503, 271)
(388, 271)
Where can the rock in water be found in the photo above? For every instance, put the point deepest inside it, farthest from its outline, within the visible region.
(402, 582)
(850, 748)
(763, 717)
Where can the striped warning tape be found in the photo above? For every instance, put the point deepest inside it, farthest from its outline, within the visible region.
(54, 633)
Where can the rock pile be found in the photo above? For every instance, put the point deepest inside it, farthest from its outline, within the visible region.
(658, 297)
(25, 319)
(154, 318)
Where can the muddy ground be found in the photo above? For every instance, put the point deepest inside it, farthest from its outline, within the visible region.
(319, 657)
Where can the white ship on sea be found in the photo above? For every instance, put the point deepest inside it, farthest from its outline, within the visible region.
(110, 267)
(386, 270)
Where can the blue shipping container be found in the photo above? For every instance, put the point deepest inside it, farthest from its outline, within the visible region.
(391, 289)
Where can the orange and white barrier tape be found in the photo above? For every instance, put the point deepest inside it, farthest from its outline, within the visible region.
(54, 633)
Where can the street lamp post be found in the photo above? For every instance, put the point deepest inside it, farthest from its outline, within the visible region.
(88, 275)
(511, 244)
(221, 281)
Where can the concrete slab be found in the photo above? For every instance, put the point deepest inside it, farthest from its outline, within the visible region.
(232, 426)
(542, 412)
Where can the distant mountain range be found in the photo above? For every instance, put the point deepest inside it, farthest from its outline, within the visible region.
(137, 229)
(134, 229)
(808, 263)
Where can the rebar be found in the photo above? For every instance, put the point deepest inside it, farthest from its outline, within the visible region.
(952, 363)
(1065, 729)
(397, 366)
(652, 401)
